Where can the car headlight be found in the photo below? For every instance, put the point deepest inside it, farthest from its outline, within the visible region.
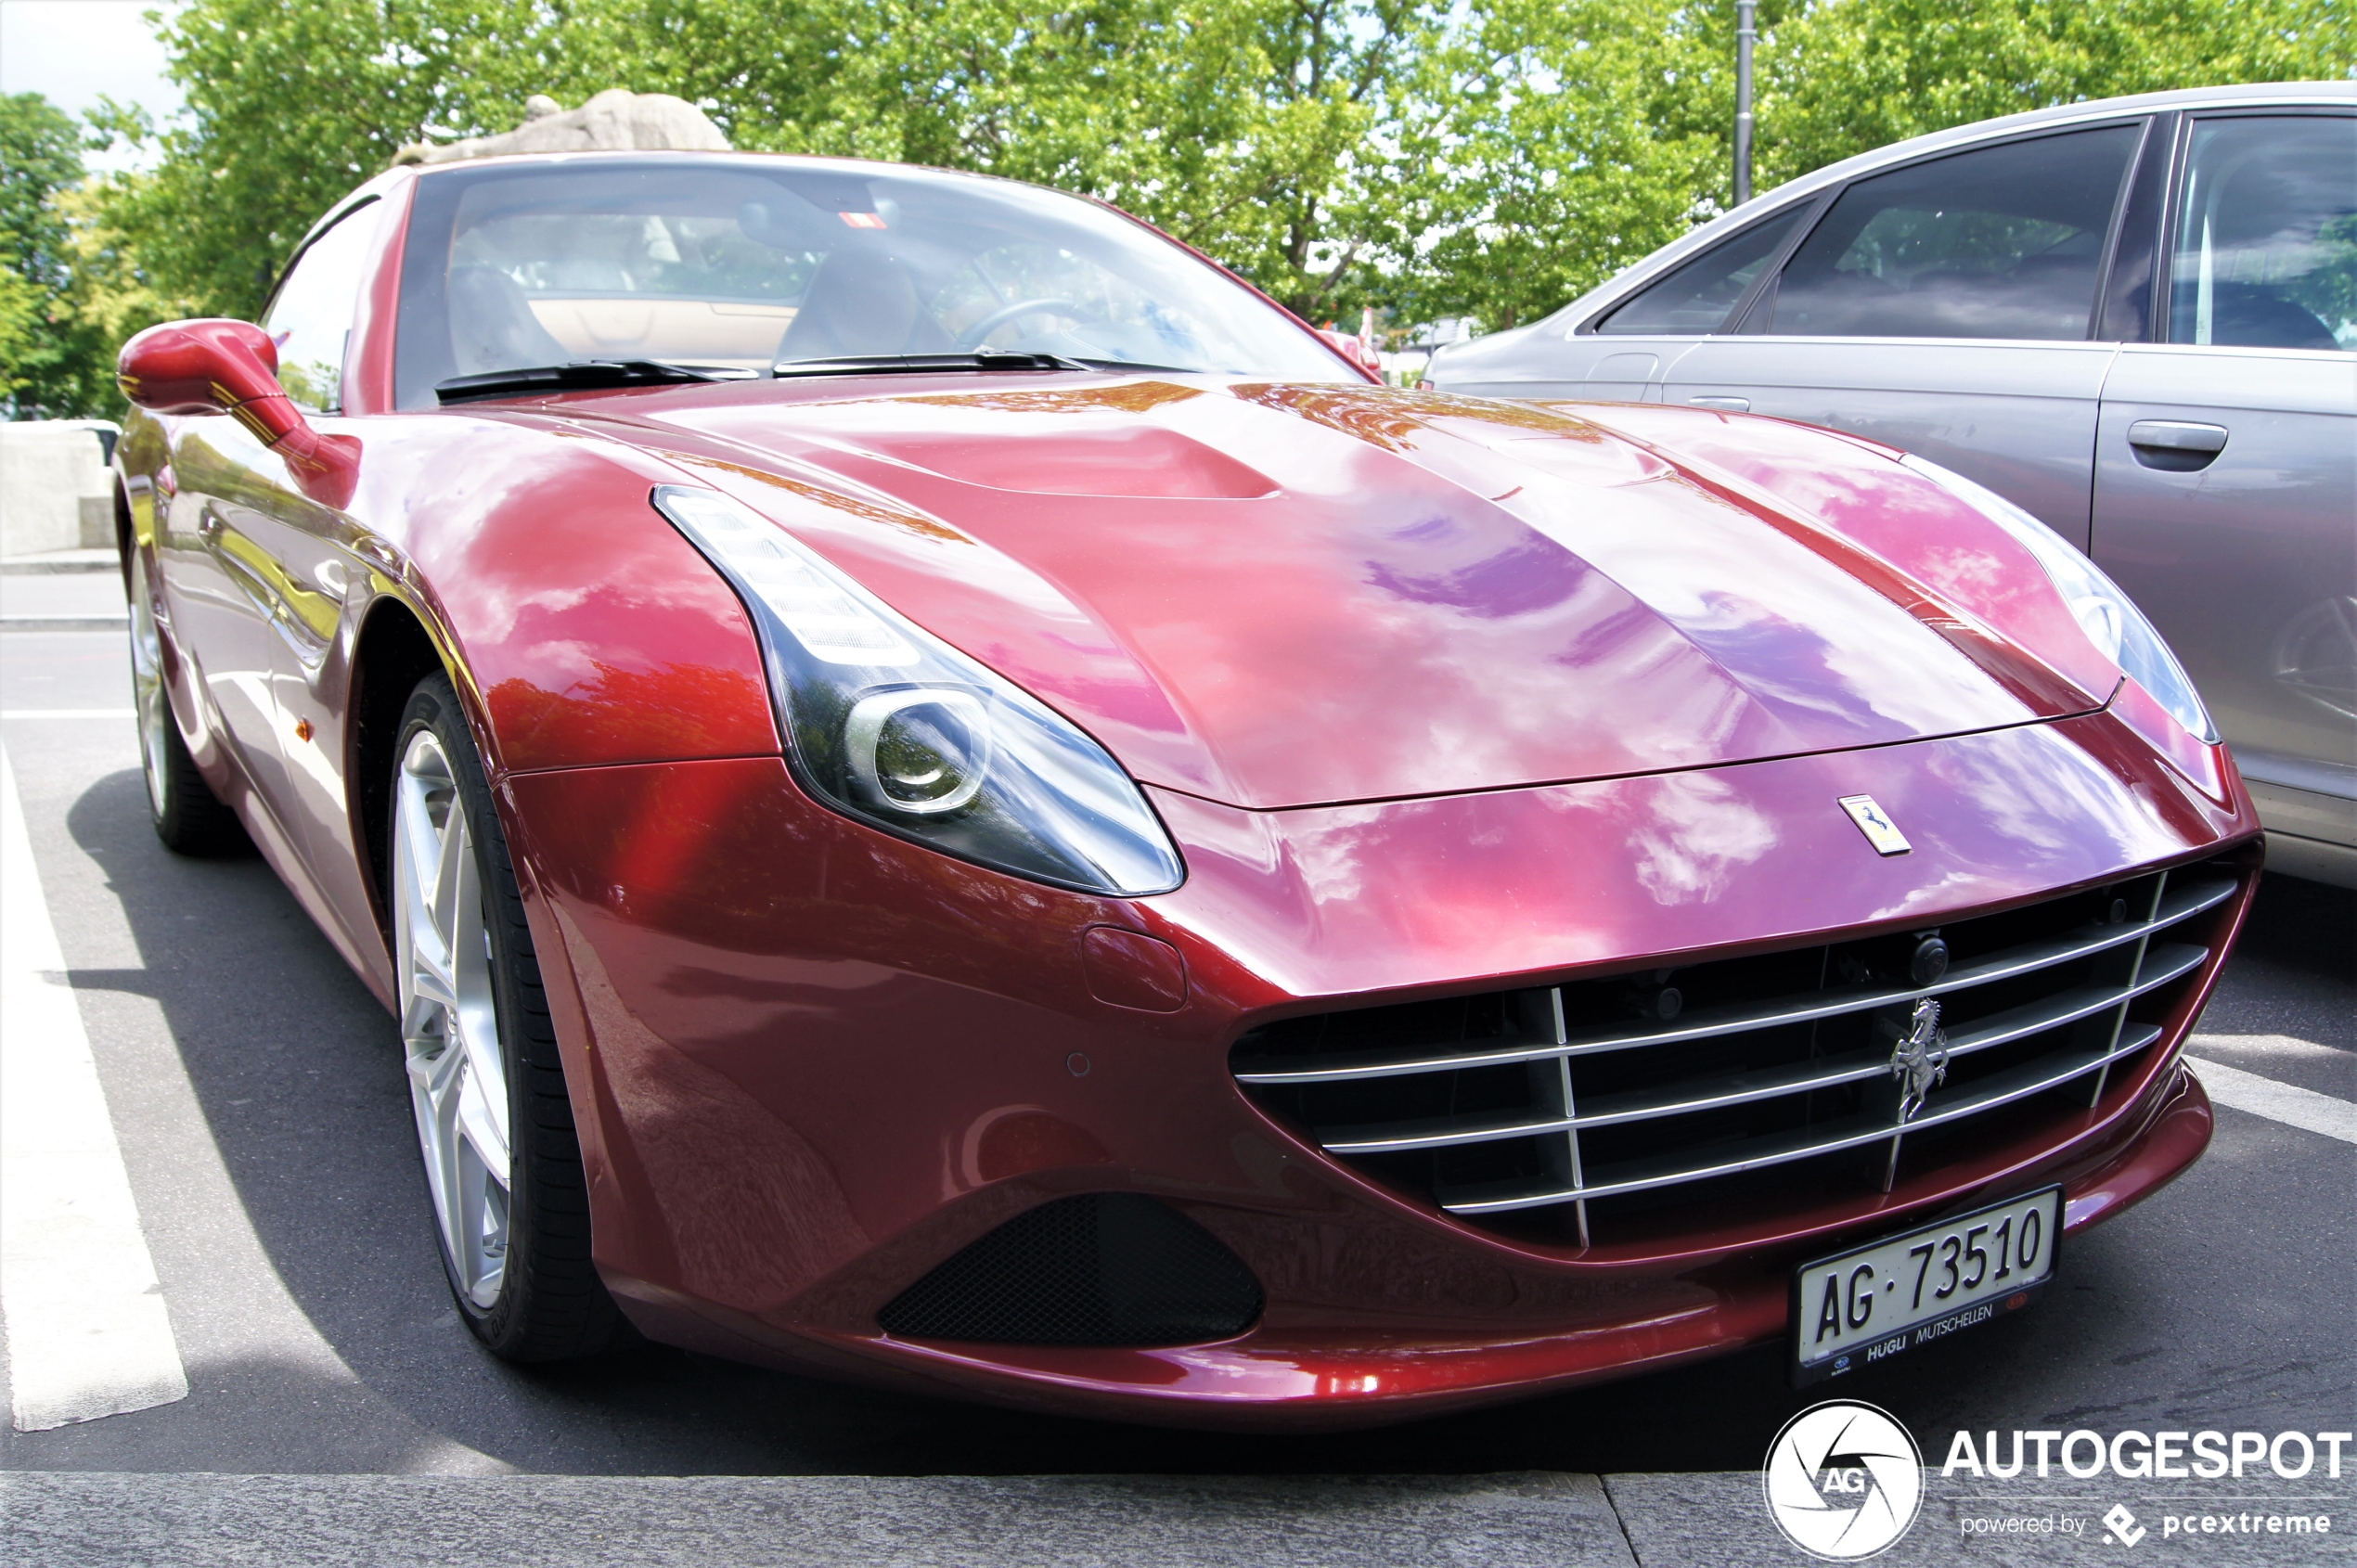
(2110, 619)
(892, 725)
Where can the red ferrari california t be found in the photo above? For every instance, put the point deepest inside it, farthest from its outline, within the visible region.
(943, 793)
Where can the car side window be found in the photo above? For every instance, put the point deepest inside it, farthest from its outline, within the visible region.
(1697, 296)
(2265, 254)
(310, 317)
(2000, 242)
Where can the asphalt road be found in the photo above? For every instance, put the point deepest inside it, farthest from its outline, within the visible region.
(256, 1092)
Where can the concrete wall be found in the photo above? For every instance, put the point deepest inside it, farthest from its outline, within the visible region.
(54, 491)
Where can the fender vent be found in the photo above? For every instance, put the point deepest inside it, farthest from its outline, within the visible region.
(1106, 1268)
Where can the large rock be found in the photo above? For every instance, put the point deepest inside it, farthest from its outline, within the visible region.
(616, 120)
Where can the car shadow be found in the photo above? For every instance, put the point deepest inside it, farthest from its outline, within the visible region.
(297, 1074)
(2302, 927)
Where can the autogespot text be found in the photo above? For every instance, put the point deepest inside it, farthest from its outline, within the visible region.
(2138, 1455)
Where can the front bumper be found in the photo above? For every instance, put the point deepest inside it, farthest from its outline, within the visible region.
(809, 1063)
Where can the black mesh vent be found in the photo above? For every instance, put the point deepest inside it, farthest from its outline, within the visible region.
(1107, 1268)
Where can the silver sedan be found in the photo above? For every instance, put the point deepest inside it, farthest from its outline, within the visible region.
(2132, 319)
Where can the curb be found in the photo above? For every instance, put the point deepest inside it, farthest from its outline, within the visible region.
(66, 623)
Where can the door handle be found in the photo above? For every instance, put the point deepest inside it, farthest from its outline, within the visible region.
(1732, 404)
(2176, 445)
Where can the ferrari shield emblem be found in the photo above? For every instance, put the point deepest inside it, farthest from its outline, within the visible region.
(1880, 831)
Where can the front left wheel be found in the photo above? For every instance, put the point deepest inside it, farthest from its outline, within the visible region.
(186, 814)
(503, 1164)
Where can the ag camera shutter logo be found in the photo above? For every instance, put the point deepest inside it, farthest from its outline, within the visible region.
(1843, 1480)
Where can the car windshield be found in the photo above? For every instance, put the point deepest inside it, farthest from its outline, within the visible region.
(739, 265)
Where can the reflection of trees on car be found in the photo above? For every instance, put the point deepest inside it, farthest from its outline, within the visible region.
(2267, 242)
(2329, 288)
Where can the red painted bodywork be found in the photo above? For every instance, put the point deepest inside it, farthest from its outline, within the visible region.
(219, 367)
(1434, 696)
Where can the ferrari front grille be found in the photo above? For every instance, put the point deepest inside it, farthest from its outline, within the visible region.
(1646, 1104)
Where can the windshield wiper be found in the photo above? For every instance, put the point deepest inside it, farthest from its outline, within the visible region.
(1142, 366)
(581, 375)
(919, 363)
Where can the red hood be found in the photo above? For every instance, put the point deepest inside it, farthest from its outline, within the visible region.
(1285, 596)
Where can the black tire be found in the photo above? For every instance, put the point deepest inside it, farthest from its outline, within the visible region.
(186, 814)
(551, 1305)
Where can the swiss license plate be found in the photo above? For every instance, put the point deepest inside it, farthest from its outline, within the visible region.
(1865, 1305)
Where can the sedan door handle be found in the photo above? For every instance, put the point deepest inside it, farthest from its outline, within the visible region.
(1732, 404)
(2176, 445)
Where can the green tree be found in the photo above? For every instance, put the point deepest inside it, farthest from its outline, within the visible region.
(1253, 128)
(1847, 76)
(1552, 143)
(47, 353)
(1427, 158)
(291, 106)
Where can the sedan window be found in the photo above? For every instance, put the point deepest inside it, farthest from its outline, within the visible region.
(2002, 242)
(2266, 251)
(1696, 297)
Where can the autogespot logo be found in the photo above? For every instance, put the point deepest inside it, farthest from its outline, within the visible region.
(1843, 1480)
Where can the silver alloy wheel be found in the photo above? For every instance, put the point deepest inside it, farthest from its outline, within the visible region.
(449, 1026)
(146, 685)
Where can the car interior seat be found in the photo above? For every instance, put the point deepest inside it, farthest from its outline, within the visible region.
(491, 326)
(862, 302)
(2255, 315)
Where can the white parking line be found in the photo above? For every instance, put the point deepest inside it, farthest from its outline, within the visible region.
(2288, 1103)
(87, 1332)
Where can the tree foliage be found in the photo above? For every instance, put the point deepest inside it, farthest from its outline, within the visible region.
(45, 351)
(1424, 156)
(1844, 78)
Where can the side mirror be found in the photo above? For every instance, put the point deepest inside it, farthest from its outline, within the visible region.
(220, 366)
(1347, 345)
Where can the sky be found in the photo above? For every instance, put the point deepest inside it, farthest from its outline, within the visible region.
(75, 50)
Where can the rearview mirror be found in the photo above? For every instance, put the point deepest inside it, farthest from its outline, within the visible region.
(221, 367)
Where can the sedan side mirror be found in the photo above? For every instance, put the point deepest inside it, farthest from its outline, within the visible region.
(221, 367)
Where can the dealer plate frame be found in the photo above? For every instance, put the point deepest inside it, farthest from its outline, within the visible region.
(1925, 1328)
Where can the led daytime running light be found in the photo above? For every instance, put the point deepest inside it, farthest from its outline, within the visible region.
(834, 627)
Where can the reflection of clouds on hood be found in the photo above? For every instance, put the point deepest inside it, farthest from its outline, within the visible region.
(1441, 595)
(2055, 811)
(1331, 862)
(1971, 575)
(1529, 573)
(1940, 895)
(1791, 629)
(1700, 833)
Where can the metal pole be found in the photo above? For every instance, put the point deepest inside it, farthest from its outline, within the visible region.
(1743, 36)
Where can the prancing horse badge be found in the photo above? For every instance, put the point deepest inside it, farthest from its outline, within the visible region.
(1880, 831)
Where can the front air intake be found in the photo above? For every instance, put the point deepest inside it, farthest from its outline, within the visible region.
(1106, 1268)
